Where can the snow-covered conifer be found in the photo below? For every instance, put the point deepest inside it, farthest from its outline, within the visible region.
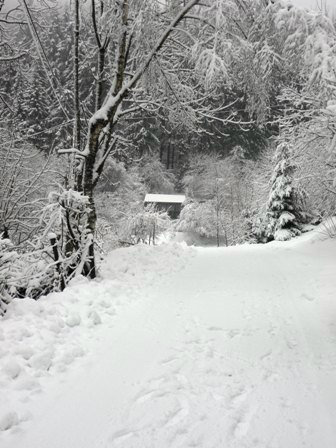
(282, 217)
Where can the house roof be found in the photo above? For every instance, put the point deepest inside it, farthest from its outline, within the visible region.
(165, 198)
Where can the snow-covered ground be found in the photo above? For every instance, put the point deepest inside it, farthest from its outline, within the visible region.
(178, 347)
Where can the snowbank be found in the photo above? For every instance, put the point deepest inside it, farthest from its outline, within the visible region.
(40, 340)
(237, 350)
(322, 235)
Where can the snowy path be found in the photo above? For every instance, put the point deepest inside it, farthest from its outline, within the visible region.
(236, 350)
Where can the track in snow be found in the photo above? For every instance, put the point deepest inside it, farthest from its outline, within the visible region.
(238, 350)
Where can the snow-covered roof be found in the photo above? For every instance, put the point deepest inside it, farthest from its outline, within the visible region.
(165, 198)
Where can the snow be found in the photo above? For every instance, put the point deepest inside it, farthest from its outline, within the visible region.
(165, 198)
(178, 347)
(282, 235)
(331, 108)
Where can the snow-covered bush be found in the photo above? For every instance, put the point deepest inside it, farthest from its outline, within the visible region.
(219, 198)
(66, 227)
(122, 199)
(54, 256)
(144, 226)
(7, 272)
(34, 273)
(328, 227)
(207, 220)
(137, 224)
(200, 217)
(22, 274)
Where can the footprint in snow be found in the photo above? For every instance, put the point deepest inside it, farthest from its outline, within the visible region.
(307, 297)
(169, 360)
(233, 333)
(265, 355)
(271, 376)
(8, 420)
(238, 397)
(291, 343)
(215, 328)
(179, 414)
(120, 436)
(243, 423)
(145, 396)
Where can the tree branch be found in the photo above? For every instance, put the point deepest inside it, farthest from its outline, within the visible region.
(12, 58)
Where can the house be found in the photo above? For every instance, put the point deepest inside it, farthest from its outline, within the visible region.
(170, 203)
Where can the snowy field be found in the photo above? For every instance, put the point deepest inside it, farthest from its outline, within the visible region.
(178, 347)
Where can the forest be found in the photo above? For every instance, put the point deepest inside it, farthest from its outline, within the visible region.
(231, 102)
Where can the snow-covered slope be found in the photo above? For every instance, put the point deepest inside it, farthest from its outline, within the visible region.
(176, 347)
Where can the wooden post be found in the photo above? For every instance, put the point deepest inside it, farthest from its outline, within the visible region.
(53, 242)
(154, 233)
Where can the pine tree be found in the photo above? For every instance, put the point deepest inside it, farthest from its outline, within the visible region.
(35, 109)
(283, 216)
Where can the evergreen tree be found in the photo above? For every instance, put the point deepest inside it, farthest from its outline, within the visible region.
(283, 215)
(33, 108)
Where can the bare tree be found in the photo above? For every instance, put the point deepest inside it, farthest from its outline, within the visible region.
(100, 138)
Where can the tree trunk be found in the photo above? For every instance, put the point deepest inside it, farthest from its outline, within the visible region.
(76, 133)
(100, 81)
(107, 114)
(92, 216)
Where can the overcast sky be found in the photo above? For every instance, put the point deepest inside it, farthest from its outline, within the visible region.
(305, 3)
(313, 3)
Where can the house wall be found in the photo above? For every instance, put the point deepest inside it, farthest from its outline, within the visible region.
(173, 210)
